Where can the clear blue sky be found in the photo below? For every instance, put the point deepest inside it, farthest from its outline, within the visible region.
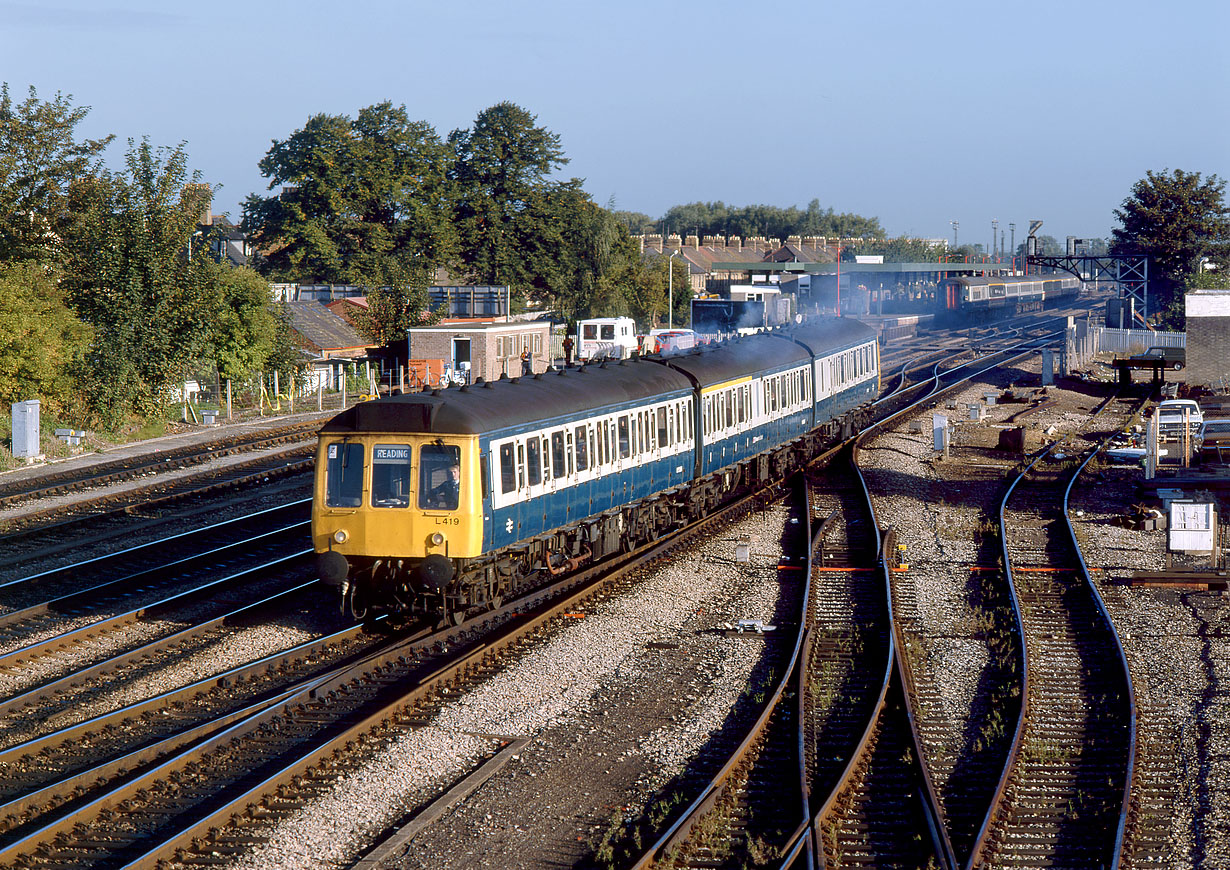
(915, 113)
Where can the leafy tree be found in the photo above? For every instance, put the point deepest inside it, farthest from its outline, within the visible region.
(506, 200)
(127, 274)
(244, 327)
(635, 222)
(900, 250)
(42, 343)
(393, 309)
(717, 218)
(361, 199)
(1175, 218)
(39, 158)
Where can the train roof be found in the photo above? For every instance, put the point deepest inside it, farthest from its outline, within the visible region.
(825, 335)
(980, 280)
(507, 403)
(736, 358)
(769, 351)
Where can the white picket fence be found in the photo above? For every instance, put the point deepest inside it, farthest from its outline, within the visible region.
(1135, 340)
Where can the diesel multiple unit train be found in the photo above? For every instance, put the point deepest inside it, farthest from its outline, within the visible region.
(446, 502)
(962, 299)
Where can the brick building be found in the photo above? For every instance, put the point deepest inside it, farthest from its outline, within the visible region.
(485, 350)
(1208, 338)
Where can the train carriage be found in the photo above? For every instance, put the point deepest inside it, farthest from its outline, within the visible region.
(445, 502)
(971, 299)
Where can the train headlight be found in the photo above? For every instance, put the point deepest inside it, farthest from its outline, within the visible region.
(437, 538)
(340, 536)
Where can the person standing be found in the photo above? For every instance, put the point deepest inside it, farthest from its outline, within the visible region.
(567, 350)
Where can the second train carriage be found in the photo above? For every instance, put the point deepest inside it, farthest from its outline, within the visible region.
(447, 501)
(975, 299)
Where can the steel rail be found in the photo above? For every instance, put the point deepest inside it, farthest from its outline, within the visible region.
(137, 549)
(71, 600)
(61, 685)
(1014, 751)
(1130, 781)
(704, 802)
(152, 609)
(568, 594)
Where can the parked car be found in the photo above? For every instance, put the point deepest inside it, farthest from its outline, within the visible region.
(1173, 414)
(1171, 357)
(1213, 441)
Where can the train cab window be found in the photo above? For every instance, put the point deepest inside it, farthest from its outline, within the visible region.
(533, 461)
(624, 441)
(582, 449)
(508, 469)
(439, 477)
(391, 475)
(344, 475)
(558, 461)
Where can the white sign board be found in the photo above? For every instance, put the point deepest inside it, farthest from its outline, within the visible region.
(1192, 527)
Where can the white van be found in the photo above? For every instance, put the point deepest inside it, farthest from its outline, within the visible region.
(1172, 414)
(605, 338)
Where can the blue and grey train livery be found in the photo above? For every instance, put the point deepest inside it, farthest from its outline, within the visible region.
(449, 501)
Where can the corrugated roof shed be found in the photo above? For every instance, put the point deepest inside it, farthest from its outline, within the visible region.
(323, 331)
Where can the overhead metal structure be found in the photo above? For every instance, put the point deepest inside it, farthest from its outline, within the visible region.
(1129, 272)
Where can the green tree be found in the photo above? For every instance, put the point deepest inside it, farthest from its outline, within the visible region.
(1176, 219)
(505, 199)
(362, 200)
(39, 158)
(244, 327)
(394, 308)
(42, 343)
(717, 218)
(128, 274)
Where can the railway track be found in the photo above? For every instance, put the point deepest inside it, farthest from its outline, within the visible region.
(118, 470)
(33, 530)
(1062, 798)
(870, 804)
(287, 744)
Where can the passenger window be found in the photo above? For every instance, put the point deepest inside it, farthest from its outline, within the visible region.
(344, 475)
(728, 399)
(391, 475)
(624, 441)
(558, 462)
(664, 429)
(508, 469)
(570, 453)
(439, 477)
(582, 450)
(533, 461)
(608, 332)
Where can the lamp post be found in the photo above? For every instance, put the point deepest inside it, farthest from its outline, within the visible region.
(994, 231)
(670, 290)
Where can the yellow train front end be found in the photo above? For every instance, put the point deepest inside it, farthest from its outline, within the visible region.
(391, 516)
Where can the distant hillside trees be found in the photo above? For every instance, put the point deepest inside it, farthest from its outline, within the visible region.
(717, 218)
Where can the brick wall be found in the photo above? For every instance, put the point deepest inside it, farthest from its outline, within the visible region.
(1208, 339)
